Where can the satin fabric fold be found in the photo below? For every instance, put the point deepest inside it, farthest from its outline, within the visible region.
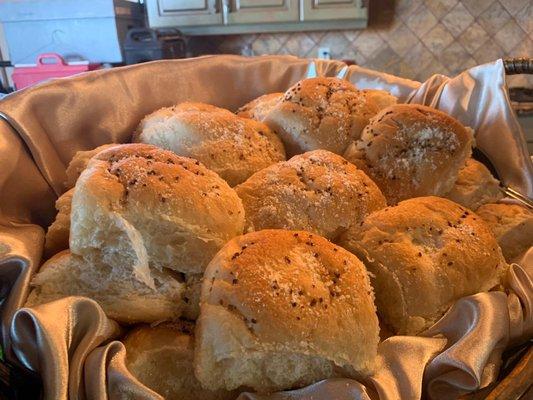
(20, 252)
(461, 353)
(68, 341)
(107, 376)
(54, 340)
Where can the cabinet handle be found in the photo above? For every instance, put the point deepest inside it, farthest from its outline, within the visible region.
(225, 11)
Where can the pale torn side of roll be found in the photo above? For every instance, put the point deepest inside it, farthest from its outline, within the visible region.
(161, 357)
(424, 254)
(119, 293)
(259, 108)
(512, 225)
(145, 207)
(475, 186)
(411, 150)
(57, 235)
(283, 309)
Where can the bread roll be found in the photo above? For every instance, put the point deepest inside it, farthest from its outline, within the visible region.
(317, 191)
(192, 106)
(321, 113)
(475, 186)
(161, 357)
(231, 146)
(425, 253)
(79, 163)
(139, 205)
(259, 108)
(283, 309)
(58, 233)
(411, 150)
(121, 296)
(382, 98)
(512, 225)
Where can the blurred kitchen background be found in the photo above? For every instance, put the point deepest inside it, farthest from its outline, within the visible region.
(409, 38)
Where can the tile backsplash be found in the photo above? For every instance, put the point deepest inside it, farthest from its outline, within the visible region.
(409, 38)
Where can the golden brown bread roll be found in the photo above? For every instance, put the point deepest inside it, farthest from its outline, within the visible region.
(475, 186)
(317, 191)
(512, 225)
(57, 234)
(161, 357)
(321, 113)
(381, 98)
(79, 163)
(259, 108)
(425, 253)
(283, 309)
(231, 146)
(118, 292)
(141, 206)
(411, 150)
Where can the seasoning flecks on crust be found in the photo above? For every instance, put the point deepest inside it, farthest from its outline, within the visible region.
(317, 191)
(289, 296)
(411, 151)
(425, 253)
(321, 113)
(140, 205)
(232, 146)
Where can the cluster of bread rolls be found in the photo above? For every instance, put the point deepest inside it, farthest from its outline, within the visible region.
(261, 273)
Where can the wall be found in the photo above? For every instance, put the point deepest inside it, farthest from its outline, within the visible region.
(409, 38)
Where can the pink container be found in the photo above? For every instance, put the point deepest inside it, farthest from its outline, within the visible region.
(54, 67)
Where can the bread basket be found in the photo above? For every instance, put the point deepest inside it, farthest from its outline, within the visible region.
(43, 126)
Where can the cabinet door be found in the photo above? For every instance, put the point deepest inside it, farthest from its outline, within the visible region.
(323, 10)
(262, 11)
(184, 12)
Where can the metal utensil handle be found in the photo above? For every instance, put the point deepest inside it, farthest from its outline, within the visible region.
(521, 65)
(517, 196)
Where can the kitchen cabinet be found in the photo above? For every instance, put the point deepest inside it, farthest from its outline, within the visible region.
(263, 11)
(314, 10)
(188, 12)
(209, 17)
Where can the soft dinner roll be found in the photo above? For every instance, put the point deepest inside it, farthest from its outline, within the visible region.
(475, 186)
(161, 357)
(192, 106)
(121, 296)
(411, 150)
(381, 97)
(79, 163)
(321, 113)
(258, 108)
(512, 225)
(231, 146)
(142, 206)
(57, 235)
(317, 191)
(283, 309)
(425, 253)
